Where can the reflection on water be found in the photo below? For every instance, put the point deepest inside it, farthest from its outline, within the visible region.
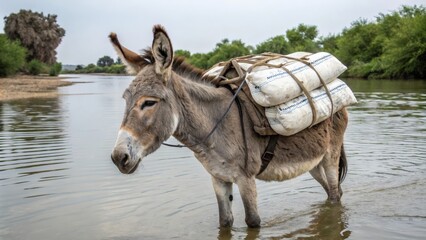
(328, 221)
(227, 233)
(33, 145)
(58, 182)
(34, 154)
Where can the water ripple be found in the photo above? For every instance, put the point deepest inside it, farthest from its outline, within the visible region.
(33, 136)
(56, 173)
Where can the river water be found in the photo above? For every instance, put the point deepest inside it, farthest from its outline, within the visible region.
(57, 180)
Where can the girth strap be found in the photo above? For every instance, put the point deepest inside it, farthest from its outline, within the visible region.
(269, 153)
(272, 143)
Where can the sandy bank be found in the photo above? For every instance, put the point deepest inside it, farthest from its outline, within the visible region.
(23, 86)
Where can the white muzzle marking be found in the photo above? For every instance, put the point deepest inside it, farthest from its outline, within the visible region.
(127, 143)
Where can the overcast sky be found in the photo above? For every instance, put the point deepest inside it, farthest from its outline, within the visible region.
(192, 25)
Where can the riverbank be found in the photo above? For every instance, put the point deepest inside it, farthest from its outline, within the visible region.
(24, 86)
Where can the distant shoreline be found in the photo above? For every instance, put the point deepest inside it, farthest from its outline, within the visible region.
(25, 86)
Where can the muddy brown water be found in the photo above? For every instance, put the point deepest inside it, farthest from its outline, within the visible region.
(57, 180)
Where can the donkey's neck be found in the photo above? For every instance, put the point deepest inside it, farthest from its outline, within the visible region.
(201, 105)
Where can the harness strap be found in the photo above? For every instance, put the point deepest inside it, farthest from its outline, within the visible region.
(262, 62)
(215, 126)
(307, 94)
(269, 153)
(223, 81)
(324, 84)
(240, 112)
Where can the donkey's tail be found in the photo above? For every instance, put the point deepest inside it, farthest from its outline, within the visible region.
(343, 165)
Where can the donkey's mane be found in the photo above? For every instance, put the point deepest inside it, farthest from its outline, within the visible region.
(180, 66)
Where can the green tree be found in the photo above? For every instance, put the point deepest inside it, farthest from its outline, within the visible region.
(277, 44)
(226, 50)
(358, 43)
(183, 53)
(393, 46)
(39, 34)
(404, 53)
(302, 38)
(105, 61)
(12, 56)
(34, 67)
(329, 43)
(55, 69)
(116, 69)
(223, 51)
(200, 60)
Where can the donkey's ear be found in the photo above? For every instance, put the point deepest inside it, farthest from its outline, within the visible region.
(163, 52)
(133, 61)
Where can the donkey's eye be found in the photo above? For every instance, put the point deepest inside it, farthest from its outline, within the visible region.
(148, 103)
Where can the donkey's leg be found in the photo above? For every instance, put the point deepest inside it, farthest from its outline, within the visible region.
(224, 197)
(331, 170)
(247, 187)
(319, 175)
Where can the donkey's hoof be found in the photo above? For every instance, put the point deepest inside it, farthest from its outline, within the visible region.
(253, 222)
(226, 222)
(333, 200)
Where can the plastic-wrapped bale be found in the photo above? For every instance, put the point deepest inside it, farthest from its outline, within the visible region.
(271, 86)
(295, 115)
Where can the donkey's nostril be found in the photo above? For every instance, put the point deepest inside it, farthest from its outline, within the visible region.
(120, 159)
(125, 159)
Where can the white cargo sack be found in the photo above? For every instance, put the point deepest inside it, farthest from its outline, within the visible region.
(295, 115)
(289, 87)
(246, 62)
(272, 86)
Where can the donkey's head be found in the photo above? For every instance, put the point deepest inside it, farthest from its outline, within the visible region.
(150, 116)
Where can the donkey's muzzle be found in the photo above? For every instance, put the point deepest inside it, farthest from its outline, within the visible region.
(122, 161)
(127, 152)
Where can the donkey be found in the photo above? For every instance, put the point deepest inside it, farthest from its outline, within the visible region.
(169, 97)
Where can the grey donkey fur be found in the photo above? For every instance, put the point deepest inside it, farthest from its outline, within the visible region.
(170, 98)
